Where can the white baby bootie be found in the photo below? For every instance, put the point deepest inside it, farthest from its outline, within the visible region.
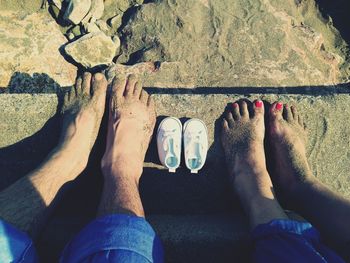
(169, 143)
(195, 136)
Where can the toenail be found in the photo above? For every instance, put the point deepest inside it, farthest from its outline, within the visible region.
(235, 105)
(258, 104)
(279, 106)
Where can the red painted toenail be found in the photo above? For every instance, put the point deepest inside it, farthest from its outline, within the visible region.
(235, 105)
(258, 104)
(279, 106)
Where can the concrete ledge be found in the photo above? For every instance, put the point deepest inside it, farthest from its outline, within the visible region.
(195, 215)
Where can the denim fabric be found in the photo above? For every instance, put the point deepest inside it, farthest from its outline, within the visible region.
(115, 238)
(123, 238)
(290, 241)
(15, 246)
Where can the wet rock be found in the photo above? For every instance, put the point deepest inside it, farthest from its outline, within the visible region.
(240, 43)
(92, 50)
(76, 10)
(30, 45)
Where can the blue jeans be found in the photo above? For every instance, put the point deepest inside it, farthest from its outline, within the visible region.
(123, 238)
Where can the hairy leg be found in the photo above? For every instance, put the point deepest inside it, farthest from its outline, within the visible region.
(292, 176)
(130, 126)
(243, 142)
(24, 204)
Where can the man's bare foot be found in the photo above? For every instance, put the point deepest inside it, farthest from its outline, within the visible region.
(83, 109)
(131, 122)
(243, 142)
(132, 118)
(25, 203)
(287, 138)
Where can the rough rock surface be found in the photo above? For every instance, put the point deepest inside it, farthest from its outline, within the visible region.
(92, 50)
(114, 10)
(30, 44)
(21, 6)
(76, 10)
(240, 43)
(97, 8)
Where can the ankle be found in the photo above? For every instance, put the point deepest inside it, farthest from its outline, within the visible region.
(262, 206)
(298, 192)
(122, 168)
(72, 162)
(248, 164)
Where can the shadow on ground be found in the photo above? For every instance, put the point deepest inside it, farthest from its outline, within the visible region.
(338, 10)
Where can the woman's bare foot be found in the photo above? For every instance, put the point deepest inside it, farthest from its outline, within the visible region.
(131, 122)
(243, 142)
(83, 109)
(292, 176)
(287, 138)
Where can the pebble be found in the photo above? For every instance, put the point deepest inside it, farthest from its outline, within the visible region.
(70, 36)
(76, 10)
(97, 8)
(92, 50)
(91, 28)
(76, 31)
(115, 21)
(116, 40)
(102, 25)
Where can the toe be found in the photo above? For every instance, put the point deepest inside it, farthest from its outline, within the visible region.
(86, 83)
(130, 85)
(224, 124)
(235, 111)
(118, 87)
(276, 111)
(258, 108)
(144, 96)
(112, 109)
(78, 85)
(300, 121)
(287, 113)
(229, 118)
(66, 98)
(99, 84)
(294, 112)
(150, 101)
(244, 109)
(138, 89)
